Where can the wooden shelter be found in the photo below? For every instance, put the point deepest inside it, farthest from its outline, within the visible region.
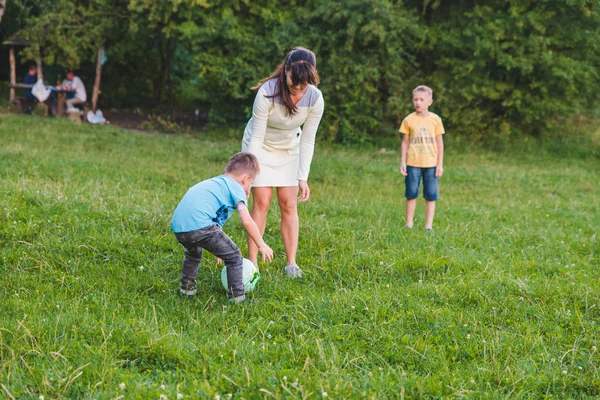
(15, 41)
(18, 40)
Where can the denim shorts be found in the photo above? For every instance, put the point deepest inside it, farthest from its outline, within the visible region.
(413, 179)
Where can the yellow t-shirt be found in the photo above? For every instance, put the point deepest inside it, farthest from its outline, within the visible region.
(422, 148)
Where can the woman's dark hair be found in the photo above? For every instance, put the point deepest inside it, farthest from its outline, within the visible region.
(302, 65)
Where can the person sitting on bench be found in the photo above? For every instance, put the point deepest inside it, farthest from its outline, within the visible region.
(30, 100)
(75, 84)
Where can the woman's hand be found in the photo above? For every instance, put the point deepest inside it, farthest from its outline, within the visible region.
(304, 191)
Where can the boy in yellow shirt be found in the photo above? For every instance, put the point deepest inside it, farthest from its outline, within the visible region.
(422, 155)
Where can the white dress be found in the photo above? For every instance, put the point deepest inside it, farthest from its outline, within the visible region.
(283, 149)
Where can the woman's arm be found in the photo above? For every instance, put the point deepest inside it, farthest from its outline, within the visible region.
(260, 116)
(307, 140)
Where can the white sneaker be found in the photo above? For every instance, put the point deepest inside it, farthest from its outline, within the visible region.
(237, 299)
(188, 292)
(293, 271)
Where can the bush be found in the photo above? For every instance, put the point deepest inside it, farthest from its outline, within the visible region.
(157, 123)
(499, 70)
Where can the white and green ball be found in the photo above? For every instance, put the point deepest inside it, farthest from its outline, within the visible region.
(251, 275)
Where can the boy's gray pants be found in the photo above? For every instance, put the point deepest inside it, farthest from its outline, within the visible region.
(214, 240)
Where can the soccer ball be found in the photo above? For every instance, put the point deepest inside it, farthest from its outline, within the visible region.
(250, 272)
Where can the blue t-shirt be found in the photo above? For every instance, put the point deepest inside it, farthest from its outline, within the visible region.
(207, 203)
(30, 80)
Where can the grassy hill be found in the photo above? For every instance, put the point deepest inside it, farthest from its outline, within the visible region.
(501, 301)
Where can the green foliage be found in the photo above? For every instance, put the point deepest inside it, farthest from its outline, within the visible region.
(501, 302)
(365, 72)
(237, 44)
(66, 33)
(362, 69)
(143, 41)
(157, 123)
(518, 67)
(18, 14)
(500, 70)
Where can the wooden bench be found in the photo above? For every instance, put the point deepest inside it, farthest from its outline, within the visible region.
(77, 115)
(19, 102)
(21, 85)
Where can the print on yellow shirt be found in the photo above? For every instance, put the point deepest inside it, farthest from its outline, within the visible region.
(422, 148)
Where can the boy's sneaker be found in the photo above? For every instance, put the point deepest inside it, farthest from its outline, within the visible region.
(237, 299)
(189, 292)
(293, 271)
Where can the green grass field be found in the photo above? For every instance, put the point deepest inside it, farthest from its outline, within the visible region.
(502, 301)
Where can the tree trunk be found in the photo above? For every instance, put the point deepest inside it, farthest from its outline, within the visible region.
(166, 53)
(170, 91)
(40, 71)
(159, 81)
(13, 72)
(157, 87)
(2, 8)
(96, 91)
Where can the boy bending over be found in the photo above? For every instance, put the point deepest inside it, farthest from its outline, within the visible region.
(200, 215)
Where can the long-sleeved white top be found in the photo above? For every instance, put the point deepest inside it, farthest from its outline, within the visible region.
(271, 129)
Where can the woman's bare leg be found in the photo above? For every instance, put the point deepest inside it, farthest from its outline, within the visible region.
(290, 225)
(261, 197)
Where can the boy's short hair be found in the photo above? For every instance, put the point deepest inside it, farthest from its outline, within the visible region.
(423, 88)
(243, 162)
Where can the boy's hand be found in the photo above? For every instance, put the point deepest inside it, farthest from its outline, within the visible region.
(304, 191)
(267, 252)
(219, 261)
(439, 171)
(403, 169)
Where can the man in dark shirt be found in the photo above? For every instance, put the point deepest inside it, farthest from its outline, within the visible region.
(30, 99)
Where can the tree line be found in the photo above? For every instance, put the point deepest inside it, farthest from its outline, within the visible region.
(497, 67)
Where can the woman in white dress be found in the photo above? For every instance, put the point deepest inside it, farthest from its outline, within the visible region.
(281, 134)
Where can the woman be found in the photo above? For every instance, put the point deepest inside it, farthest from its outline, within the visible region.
(286, 100)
